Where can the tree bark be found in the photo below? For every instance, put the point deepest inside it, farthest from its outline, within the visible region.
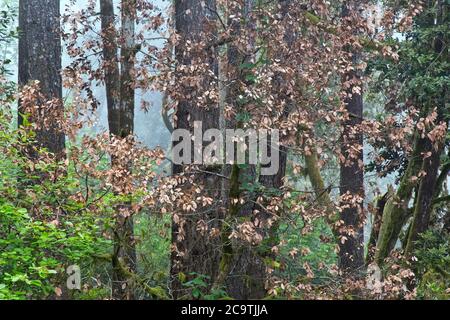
(120, 98)
(423, 203)
(318, 185)
(351, 251)
(195, 254)
(376, 224)
(40, 59)
(110, 64)
(395, 211)
(242, 267)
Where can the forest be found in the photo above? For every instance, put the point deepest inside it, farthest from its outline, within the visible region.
(224, 150)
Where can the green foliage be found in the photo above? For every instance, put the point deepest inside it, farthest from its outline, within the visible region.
(319, 253)
(199, 288)
(433, 265)
(34, 254)
(198, 285)
(153, 247)
(43, 227)
(421, 71)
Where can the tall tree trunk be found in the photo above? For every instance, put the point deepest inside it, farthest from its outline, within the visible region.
(429, 183)
(110, 64)
(127, 62)
(194, 254)
(351, 256)
(120, 94)
(351, 249)
(40, 59)
(233, 190)
(242, 268)
(423, 203)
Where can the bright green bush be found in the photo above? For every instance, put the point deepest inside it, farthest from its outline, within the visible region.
(44, 228)
(34, 254)
(433, 265)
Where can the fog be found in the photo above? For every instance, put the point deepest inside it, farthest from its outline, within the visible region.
(149, 127)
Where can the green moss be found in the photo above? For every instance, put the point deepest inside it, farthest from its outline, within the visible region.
(396, 211)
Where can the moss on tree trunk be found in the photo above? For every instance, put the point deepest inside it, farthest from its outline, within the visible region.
(396, 212)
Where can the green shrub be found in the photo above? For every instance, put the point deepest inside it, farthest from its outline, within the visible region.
(433, 265)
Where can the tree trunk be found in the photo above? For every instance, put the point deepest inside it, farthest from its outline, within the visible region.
(351, 258)
(195, 254)
(110, 64)
(423, 204)
(351, 249)
(395, 211)
(242, 267)
(127, 61)
(230, 250)
(119, 83)
(40, 59)
(120, 99)
(376, 224)
(318, 185)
